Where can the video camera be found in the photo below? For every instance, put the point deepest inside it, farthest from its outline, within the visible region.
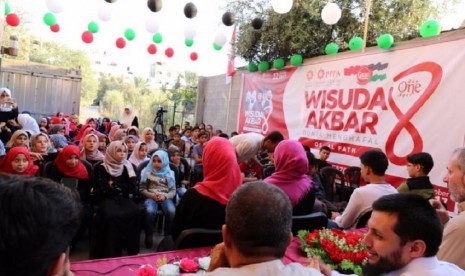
(160, 111)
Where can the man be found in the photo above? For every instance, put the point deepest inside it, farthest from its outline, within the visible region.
(374, 164)
(38, 220)
(418, 167)
(256, 234)
(324, 155)
(452, 248)
(247, 145)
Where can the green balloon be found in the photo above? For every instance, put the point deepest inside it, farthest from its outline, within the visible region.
(296, 60)
(331, 48)
(129, 34)
(263, 66)
(217, 47)
(278, 63)
(50, 19)
(252, 67)
(188, 42)
(385, 41)
(157, 38)
(7, 9)
(92, 27)
(430, 28)
(355, 43)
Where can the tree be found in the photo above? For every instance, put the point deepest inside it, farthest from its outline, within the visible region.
(302, 31)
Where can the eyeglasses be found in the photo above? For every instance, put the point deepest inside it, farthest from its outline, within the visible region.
(4, 95)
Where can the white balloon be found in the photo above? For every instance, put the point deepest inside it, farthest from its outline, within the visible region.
(190, 32)
(331, 13)
(55, 6)
(151, 25)
(282, 6)
(220, 39)
(104, 13)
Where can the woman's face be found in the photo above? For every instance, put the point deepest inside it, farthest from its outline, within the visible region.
(148, 137)
(91, 144)
(131, 144)
(72, 161)
(20, 163)
(92, 124)
(21, 140)
(142, 151)
(43, 123)
(4, 97)
(41, 144)
(120, 154)
(157, 164)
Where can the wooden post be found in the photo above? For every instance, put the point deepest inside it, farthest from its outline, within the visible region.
(365, 29)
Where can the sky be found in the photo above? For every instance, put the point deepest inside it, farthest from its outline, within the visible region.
(77, 14)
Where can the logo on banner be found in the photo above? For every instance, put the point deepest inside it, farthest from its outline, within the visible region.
(259, 106)
(367, 73)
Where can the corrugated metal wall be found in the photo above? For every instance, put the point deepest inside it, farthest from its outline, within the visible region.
(42, 89)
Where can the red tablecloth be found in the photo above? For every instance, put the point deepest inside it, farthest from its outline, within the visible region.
(128, 265)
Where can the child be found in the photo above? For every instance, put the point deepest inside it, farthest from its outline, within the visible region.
(177, 141)
(158, 186)
(182, 180)
(18, 161)
(139, 154)
(131, 141)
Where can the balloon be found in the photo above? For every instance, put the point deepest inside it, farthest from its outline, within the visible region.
(152, 49)
(155, 5)
(110, 1)
(252, 67)
(190, 10)
(278, 63)
(169, 52)
(12, 20)
(151, 25)
(355, 43)
(296, 60)
(217, 47)
(188, 42)
(55, 6)
(129, 34)
(331, 13)
(257, 23)
(194, 56)
(281, 6)
(55, 28)
(157, 38)
(104, 13)
(92, 27)
(87, 37)
(430, 28)
(263, 66)
(190, 32)
(228, 19)
(50, 19)
(120, 43)
(385, 41)
(7, 9)
(331, 48)
(220, 39)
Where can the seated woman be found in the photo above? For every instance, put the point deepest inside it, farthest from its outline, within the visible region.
(18, 161)
(148, 137)
(139, 154)
(20, 138)
(204, 205)
(290, 175)
(90, 151)
(159, 189)
(42, 149)
(116, 225)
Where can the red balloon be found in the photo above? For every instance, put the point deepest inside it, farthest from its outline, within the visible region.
(55, 28)
(87, 37)
(169, 52)
(194, 56)
(12, 20)
(120, 43)
(152, 49)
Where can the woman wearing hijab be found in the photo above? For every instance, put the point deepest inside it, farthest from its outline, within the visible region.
(18, 161)
(133, 130)
(290, 175)
(105, 126)
(20, 138)
(8, 114)
(28, 123)
(149, 138)
(117, 223)
(120, 135)
(204, 205)
(90, 151)
(114, 128)
(57, 136)
(139, 154)
(131, 141)
(128, 118)
(90, 123)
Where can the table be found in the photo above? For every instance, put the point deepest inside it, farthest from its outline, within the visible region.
(128, 265)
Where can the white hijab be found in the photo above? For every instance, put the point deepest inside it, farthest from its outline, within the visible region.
(127, 118)
(28, 123)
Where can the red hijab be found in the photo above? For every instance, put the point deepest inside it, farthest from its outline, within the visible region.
(222, 175)
(6, 166)
(79, 172)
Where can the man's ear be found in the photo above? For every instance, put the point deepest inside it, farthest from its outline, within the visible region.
(59, 265)
(417, 248)
(226, 236)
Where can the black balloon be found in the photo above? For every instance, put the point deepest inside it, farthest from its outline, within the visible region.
(155, 5)
(190, 10)
(110, 1)
(257, 23)
(228, 19)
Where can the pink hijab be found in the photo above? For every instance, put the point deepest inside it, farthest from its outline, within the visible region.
(291, 165)
(222, 175)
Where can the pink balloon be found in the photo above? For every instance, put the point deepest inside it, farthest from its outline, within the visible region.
(194, 56)
(12, 20)
(120, 43)
(152, 49)
(87, 37)
(55, 28)
(169, 52)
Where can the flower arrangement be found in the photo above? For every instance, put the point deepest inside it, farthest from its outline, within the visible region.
(185, 265)
(342, 251)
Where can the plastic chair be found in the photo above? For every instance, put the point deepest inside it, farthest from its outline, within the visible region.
(198, 237)
(268, 170)
(309, 222)
(334, 184)
(352, 176)
(363, 218)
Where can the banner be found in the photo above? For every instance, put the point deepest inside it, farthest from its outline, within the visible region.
(402, 102)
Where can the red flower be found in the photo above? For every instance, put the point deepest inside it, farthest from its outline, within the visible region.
(188, 265)
(146, 270)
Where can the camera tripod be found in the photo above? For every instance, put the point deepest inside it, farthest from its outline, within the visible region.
(158, 128)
